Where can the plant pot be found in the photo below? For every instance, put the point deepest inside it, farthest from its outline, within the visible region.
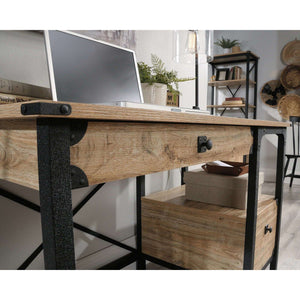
(235, 49)
(226, 50)
(155, 93)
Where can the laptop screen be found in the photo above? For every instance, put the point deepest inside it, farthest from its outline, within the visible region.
(85, 70)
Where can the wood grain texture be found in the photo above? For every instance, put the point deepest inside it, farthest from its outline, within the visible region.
(233, 82)
(101, 112)
(18, 152)
(116, 150)
(196, 235)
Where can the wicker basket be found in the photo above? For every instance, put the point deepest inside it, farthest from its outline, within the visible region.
(289, 105)
(272, 92)
(290, 54)
(290, 77)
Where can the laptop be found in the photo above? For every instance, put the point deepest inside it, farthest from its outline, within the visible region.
(85, 70)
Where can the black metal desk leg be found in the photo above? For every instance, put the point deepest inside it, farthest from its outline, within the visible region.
(278, 194)
(140, 192)
(253, 180)
(53, 137)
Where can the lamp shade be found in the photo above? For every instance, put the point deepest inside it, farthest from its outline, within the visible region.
(187, 43)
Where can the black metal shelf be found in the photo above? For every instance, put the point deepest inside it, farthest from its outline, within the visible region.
(251, 61)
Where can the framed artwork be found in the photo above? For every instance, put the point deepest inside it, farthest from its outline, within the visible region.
(222, 74)
(172, 100)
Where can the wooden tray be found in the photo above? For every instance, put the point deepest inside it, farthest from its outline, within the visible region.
(238, 168)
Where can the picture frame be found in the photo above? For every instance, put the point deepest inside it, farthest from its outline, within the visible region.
(222, 74)
(172, 100)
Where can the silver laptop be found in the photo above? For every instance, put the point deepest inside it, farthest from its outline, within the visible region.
(85, 70)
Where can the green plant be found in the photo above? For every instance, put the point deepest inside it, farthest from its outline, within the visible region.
(158, 74)
(227, 43)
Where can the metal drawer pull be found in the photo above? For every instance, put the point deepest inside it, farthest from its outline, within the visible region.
(267, 228)
(204, 144)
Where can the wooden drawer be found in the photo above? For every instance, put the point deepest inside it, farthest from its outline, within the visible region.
(196, 235)
(116, 150)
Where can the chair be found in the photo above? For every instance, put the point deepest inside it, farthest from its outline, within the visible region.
(295, 125)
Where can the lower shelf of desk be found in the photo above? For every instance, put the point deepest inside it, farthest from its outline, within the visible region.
(200, 236)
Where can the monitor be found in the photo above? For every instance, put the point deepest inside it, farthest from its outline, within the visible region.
(85, 70)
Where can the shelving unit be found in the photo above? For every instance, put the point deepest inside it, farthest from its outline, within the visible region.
(251, 61)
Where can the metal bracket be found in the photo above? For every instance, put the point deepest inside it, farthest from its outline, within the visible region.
(44, 108)
(77, 130)
(78, 178)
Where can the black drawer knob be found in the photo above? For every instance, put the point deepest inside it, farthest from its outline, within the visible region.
(204, 144)
(268, 229)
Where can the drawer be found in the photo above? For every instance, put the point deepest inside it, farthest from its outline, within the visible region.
(197, 236)
(116, 150)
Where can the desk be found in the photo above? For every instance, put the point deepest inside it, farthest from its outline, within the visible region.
(56, 147)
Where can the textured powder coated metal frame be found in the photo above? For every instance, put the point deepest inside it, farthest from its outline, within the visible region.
(53, 137)
(254, 161)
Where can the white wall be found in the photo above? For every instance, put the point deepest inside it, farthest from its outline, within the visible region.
(267, 44)
(112, 210)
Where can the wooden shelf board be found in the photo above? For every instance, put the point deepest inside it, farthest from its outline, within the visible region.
(235, 82)
(232, 57)
(230, 106)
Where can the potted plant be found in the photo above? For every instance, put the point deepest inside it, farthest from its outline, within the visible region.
(157, 81)
(228, 44)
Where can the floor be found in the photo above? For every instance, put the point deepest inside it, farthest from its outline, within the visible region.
(289, 251)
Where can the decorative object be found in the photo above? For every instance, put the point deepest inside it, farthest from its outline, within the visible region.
(222, 74)
(227, 44)
(231, 168)
(172, 100)
(198, 49)
(290, 77)
(272, 92)
(155, 93)
(289, 105)
(290, 54)
(236, 49)
(156, 81)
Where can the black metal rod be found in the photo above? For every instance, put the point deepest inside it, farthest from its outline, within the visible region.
(247, 88)
(162, 262)
(87, 198)
(243, 111)
(279, 194)
(120, 263)
(19, 200)
(53, 143)
(103, 237)
(223, 111)
(36, 208)
(255, 90)
(140, 192)
(212, 92)
(31, 258)
(251, 217)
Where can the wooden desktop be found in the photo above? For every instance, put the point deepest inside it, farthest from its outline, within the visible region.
(56, 147)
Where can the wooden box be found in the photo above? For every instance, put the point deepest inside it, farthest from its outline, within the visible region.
(224, 190)
(197, 235)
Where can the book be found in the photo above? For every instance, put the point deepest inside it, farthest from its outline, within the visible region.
(235, 99)
(236, 102)
(9, 98)
(23, 89)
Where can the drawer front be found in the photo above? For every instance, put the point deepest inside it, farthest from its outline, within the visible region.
(116, 150)
(265, 233)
